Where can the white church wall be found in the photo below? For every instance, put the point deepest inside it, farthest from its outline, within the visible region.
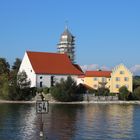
(27, 67)
(46, 79)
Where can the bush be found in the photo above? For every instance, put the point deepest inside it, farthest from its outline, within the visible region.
(92, 91)
(39, 90)
(22, 94)
(123, 93)
(102, 91)
(46, 90)
(137, 93)
(112, 94)
(65, 91)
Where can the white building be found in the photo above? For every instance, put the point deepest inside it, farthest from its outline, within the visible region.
(45, 69)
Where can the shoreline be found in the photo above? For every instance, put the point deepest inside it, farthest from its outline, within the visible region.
(82, 102)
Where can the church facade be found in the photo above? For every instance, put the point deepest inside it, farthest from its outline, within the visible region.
(45, 69)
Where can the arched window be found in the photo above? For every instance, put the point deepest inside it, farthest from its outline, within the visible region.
(52, 81)
(40, 84)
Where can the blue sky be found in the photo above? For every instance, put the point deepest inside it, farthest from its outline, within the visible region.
(107, 31)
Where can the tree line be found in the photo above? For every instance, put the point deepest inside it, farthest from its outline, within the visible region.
(14, 85)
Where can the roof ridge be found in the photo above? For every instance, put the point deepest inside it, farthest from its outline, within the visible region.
(99, 71)
(46, 52)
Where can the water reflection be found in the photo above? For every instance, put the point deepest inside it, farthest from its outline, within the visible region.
(92, 121)
(17, 121)
(61, 122)
(70, 122)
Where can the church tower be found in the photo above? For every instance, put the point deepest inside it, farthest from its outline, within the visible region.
(66, 44)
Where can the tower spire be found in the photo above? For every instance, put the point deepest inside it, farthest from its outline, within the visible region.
(67, 44)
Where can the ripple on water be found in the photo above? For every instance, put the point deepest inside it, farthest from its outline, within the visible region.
(71, 122)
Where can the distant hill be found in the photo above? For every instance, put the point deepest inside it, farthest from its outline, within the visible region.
(136, 81)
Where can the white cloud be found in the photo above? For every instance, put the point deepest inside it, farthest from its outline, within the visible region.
(94, 67)
(105, 68)
(89, 67)
(135, 69)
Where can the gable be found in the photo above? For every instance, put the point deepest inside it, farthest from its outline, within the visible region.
(26, 65)
(121, 70)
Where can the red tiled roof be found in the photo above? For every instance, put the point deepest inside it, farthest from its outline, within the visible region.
(98, 73)
(78, 67)
(52, 63)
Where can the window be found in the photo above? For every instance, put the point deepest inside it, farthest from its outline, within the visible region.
(95, 78)
(127, 86)
(121, 72)
(40, 84)
(126, 79)
(103, 79)
(31, 70)
(117, 86)
(40, 77)
(52, 81)
(117, 78)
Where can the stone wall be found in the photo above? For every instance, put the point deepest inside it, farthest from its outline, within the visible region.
(92, 97)
(87, 97)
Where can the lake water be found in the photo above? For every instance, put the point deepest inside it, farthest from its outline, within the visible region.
(71, 122)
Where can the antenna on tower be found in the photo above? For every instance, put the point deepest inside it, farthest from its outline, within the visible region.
(66, 24)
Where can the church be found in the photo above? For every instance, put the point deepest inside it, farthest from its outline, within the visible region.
(44, 69)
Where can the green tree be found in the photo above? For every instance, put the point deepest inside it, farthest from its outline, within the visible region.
(20, 88)
(23, 81)
(136, 82)
(16, 64)
(102, 91)
(123, 93)
(65, 91)
(4, 78)
(137, 93)
(4, 86)
(4, 66)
